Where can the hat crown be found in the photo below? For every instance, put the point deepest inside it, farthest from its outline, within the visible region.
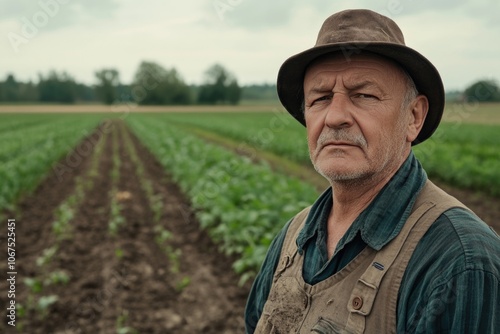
(359, 26)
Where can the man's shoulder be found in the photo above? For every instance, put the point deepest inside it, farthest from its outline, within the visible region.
(456, 267)
(459, 241)
(476, 239)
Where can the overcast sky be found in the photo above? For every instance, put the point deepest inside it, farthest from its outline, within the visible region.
(251, 38)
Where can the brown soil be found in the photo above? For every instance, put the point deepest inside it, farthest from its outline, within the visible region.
(124, 280)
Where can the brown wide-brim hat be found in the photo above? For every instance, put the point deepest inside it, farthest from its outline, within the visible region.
(356, 31)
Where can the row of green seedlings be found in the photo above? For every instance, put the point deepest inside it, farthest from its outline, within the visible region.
(27, 155)
(241, 204)
(36, 302)
(117, 221)
(162, 235)
(121, 324)
(275, 132)
(464, 155)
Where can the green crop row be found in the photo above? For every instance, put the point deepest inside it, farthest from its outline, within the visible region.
(241, 204)
(13, 122)
(274, 131)
(465, 155)
(460, 154)
(28, 152)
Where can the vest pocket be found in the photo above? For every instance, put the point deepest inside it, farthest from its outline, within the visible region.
(326, 326)
(264, 326)
(285, 307)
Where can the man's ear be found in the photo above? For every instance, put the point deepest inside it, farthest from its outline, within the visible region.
(418, 111)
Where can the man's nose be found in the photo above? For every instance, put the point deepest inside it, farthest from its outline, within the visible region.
(338, 114)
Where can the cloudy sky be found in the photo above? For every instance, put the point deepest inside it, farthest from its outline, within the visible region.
(251, 38)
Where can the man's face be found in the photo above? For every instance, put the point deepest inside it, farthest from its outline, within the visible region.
(356, 129)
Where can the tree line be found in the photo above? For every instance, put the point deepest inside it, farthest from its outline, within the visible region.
(155, 85)
(152, 85)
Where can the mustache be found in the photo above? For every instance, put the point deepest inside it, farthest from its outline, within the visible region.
(341, 135)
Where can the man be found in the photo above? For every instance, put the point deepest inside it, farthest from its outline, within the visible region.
(383, 250)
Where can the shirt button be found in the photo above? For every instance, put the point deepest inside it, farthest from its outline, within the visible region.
(357, 303)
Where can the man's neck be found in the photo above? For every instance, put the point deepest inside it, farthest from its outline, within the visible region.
(351, 197)
(349, 200)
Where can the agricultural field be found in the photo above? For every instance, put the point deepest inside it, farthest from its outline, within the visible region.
(462, 154)
(151, 222)
(112, 246)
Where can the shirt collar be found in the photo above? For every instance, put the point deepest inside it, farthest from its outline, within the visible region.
(384, 217)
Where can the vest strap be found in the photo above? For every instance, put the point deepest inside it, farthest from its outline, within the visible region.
(289, 250)
(365, 291)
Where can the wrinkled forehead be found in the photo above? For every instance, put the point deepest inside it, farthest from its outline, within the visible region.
(363, 62)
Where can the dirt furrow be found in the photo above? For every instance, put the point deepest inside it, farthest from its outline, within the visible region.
(80, 304)
(35, 238)
(145, 289)
(212, 302)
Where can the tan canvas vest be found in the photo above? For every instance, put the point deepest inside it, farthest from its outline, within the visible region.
(360, 298)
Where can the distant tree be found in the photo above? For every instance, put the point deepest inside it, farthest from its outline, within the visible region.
(453, 96)
(108, 81)
(10, 89)
(233, 92)
(28, 92)
(85, 93)
(482, 91)
(153, 84)
(265, 92)
(220, 87)
(57, 88)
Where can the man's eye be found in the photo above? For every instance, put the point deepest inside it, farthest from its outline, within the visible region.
(323, 98)
(365, 96)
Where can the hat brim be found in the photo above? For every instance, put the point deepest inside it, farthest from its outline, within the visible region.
(424, 74)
